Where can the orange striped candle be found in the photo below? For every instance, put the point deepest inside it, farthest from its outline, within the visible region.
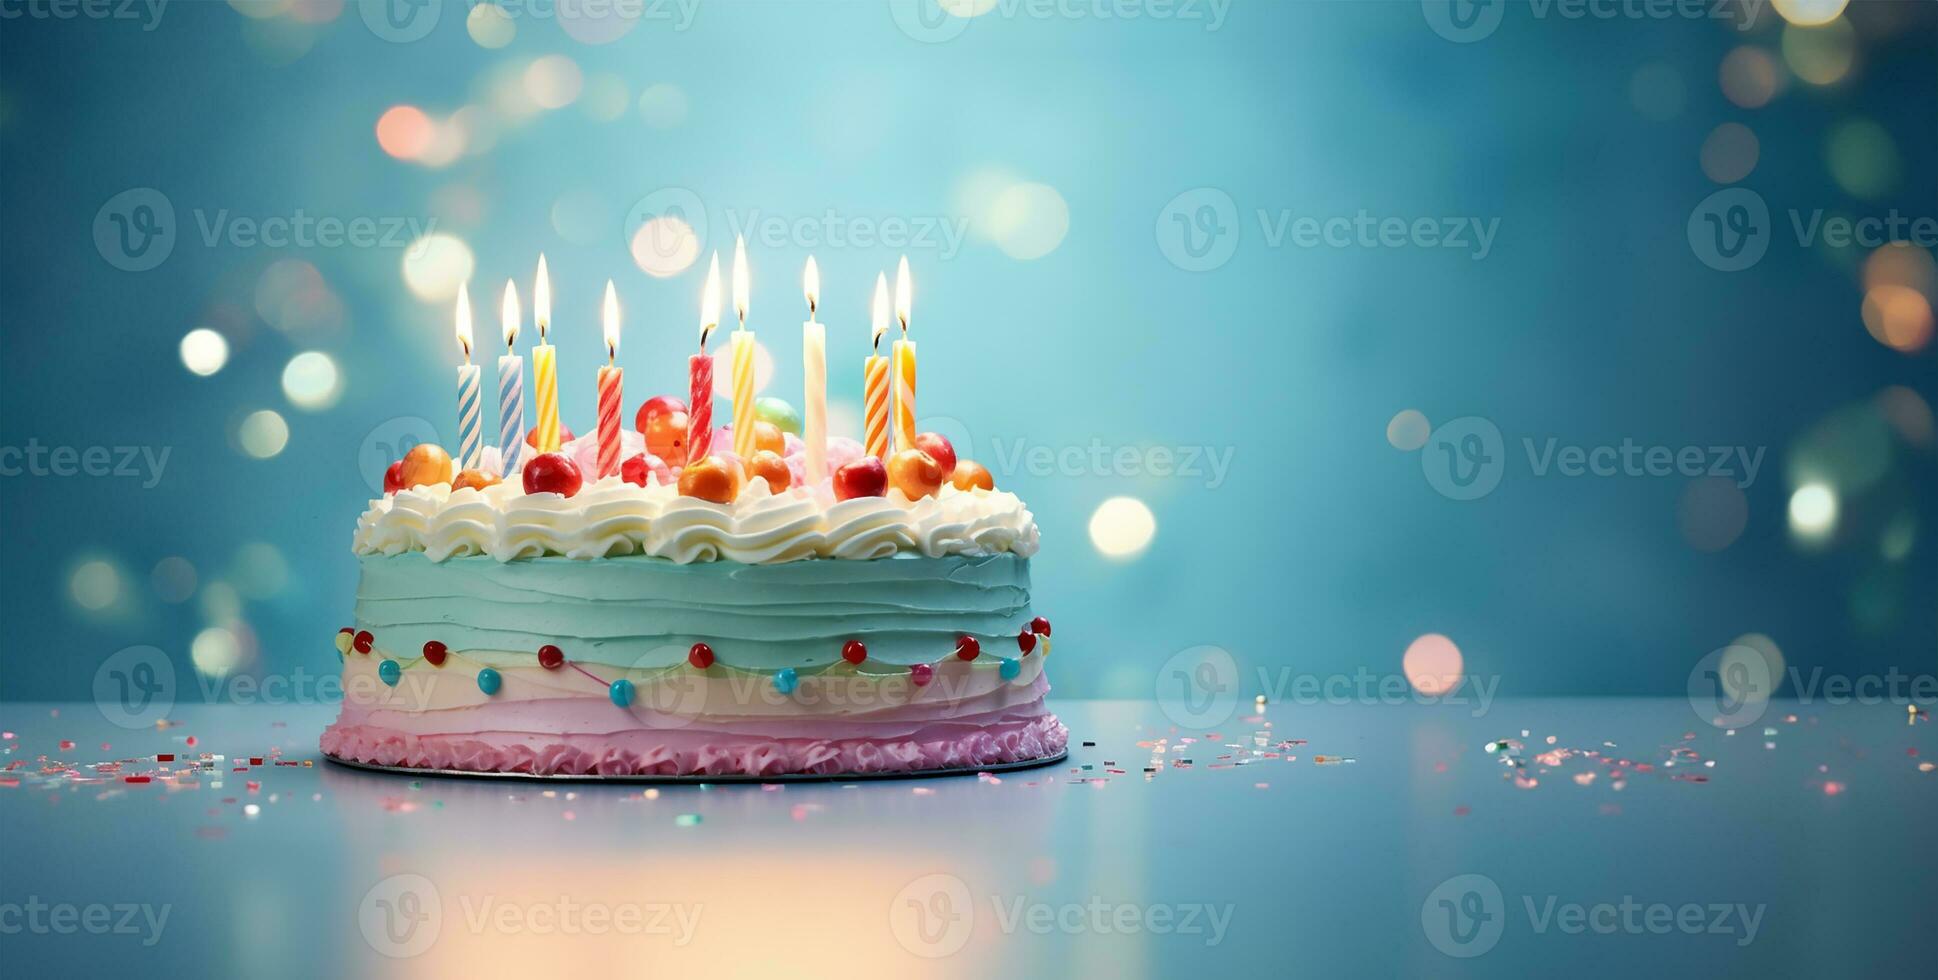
(875, 372)
(611, 388)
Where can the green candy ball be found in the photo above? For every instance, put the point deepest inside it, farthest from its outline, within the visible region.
(778, 413)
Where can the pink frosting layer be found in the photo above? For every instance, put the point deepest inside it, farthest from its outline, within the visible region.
(1014, 736)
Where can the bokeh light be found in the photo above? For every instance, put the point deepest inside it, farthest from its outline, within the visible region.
(215, 652)
(1408, 430)
(259, 570)
(1901, 264)
(292, 297)
(1813, 512)
(1747, 681)
(404, 131)
(490, 26)
(1122, 527)
(664, 246)
(1433, 664)
(263, 434)
(220, 602)
(95, 584)
(1848, 450)
(663, 105)
(553, 81)
(311, 381)
(435, 264)
(1750, 76)
(1863, 158)
(606, 98)
(1909, 414)
(1028, 220)
(1898, 317)
(1656, 91)
(204, 351)
(1712, 513)
(173, 579)
(1820, 55)
(1899, 536)
(1810, 13)
(723, 378)
(1729, 153)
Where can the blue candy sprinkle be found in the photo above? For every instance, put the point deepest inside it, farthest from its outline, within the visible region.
(621, 692)
(1011, 668)
(785, 681)
(390, 672)
(489, 681)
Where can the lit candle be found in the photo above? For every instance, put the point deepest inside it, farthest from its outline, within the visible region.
(814, 358)
(699, 425)
(743, 359)
(545, 365)
(904, 363)
(470, 398)
(610, 379)
(875, 372)
(511, 388)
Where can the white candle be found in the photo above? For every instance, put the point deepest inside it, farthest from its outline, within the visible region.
(814, 358)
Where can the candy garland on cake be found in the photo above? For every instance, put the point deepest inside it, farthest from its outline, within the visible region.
(680, 441)
(700, 658)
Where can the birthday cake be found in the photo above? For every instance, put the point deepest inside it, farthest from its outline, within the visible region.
(519, 613)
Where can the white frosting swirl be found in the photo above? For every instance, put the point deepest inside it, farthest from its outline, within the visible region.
(612, 517)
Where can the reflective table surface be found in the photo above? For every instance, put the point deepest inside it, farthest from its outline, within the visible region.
(1324, 840)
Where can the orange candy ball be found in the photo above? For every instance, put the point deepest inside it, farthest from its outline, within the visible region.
(713, 478)
(767, 437)
(971, 475)
(426, 464)
(475, 479)
(771, 467)
(665, 434)
(915, 473)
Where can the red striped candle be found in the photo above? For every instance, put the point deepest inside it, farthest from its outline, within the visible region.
(611, 380)
(699, 370)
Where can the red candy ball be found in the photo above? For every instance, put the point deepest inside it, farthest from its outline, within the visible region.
(363, 641)
(1040, 625)
(637, 466)
(938, 447)
(854, 651)
(656, 407)
(921, 674)
(701, 656)
(865, 477)
(394, 477)
(551, 657)
(1027, 641)
(967, 648)
(434, 653)
(553, 473)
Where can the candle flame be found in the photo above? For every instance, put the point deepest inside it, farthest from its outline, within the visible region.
(611, 322)
(510, 314)
(710, 301)
(542, 299)
(811, 285)
(904, 294)
(880, 309)
(741, 288)
(464, 321)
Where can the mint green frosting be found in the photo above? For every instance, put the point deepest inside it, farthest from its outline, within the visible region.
(644, 612)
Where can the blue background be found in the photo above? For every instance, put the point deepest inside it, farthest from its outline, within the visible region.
(1325, 551)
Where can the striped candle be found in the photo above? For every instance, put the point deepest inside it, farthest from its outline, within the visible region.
(875, 405)
(545, 365)
(743, 393)
(699, 371)
(904, 361)
(470, 398)
(611, 379)
(511, 389)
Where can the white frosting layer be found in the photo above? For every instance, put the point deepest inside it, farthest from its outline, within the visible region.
(613, 517)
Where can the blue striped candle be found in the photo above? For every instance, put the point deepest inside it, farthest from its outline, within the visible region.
(511, 410)
(470, 445)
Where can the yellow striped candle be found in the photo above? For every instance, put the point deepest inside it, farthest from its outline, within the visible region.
(545, 365)
(743, 358)
(874, 371)
(904, 362)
